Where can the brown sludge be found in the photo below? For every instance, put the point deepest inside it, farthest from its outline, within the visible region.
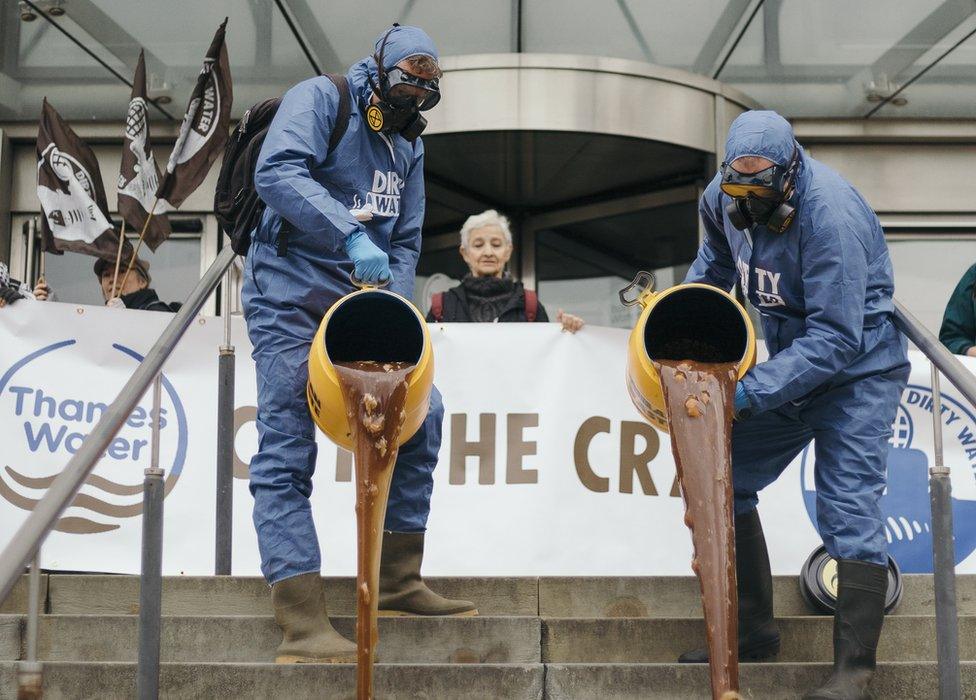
(375, 395)
(699, 397)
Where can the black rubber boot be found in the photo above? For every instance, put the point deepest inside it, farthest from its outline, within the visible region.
(861, 590)
(758, 634)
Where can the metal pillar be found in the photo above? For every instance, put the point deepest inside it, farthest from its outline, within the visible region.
(223, 544)
(30, 673)
(29, 265)
(944, 559)
(151, 577)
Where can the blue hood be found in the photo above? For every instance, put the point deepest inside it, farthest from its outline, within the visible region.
(404, 42)
(761, 133)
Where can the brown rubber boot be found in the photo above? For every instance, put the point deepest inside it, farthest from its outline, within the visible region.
(308, 636)
(402, 590)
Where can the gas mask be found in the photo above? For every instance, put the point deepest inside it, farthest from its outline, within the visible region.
(402, 97)
(761, 198)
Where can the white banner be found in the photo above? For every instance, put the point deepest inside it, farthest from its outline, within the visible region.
(546, 468)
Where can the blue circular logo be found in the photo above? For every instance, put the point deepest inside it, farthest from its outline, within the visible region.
(51, 410)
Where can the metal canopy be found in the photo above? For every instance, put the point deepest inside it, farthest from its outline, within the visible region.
(830, 58)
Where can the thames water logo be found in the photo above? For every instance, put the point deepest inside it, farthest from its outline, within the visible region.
(47, 408)
(905, 504)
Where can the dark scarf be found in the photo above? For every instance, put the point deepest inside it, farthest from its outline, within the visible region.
(145, 299)
(487, 296)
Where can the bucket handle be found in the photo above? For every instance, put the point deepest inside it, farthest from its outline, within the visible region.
(362, 285)
(644, 283)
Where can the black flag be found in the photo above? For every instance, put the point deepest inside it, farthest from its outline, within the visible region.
(139, 174)
(70, 188)
(205, 127)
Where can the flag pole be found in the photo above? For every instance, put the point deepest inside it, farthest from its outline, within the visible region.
(40, 272)
(118, 258)
(142, 236)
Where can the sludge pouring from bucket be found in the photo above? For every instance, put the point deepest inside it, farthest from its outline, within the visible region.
(689, 346)
(370, 378)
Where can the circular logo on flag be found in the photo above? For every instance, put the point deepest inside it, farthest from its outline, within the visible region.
(135, 121)
(67, 168)
(374, 117)
(48, 407)
(905, 507)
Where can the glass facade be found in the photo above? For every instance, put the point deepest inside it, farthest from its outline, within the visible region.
(927, 269)
(174, 268)
(830, 58)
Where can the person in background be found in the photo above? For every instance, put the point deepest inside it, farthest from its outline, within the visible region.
(958, 332)
(136, 294)
(12, 291)
(488, 293)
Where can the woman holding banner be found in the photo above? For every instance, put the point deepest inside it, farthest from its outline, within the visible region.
(488, 294)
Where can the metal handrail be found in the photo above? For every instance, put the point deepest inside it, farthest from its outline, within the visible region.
(42, 519)
(940, 501)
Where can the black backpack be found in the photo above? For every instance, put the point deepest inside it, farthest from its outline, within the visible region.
(237, 206)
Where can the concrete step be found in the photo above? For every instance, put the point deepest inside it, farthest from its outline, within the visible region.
(663, 597)
(459, 640)
(237, 595)
(111, 681)
(409, 640)
(804, 639)
(16, 602)
(679, 596)
(905, 681)
(788, 681)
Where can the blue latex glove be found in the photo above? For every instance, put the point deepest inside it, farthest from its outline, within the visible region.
(372, 264)
(742, 404)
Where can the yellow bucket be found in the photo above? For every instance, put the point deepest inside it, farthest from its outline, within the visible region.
(697, 313)
(369, 324)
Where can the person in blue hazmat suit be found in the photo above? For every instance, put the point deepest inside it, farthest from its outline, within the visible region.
(811, 256)
(356, 211)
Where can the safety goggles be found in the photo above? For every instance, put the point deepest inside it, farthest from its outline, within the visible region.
(770, 183)
(404, 90)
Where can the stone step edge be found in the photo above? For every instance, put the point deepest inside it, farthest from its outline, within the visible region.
(966, 665)
(474, 619)
(490, 577)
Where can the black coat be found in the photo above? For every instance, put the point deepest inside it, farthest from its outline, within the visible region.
(456, 307)
(147, 300)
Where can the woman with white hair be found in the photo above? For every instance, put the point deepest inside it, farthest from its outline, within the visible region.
(488, 294)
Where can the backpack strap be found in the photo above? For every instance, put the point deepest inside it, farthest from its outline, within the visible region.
(437, 306)
(531, 305)
(345, 109)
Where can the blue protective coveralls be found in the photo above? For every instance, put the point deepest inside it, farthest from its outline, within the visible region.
(286, 297)
(837, 364)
